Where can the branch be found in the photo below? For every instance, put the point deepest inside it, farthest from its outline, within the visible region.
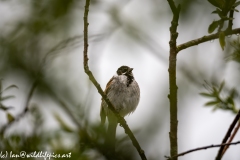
(202, 148)
(25, 110)
(228, 134)
(205, 39)
(173, 8)
(172, 79)
(230, 23)
(121, 120)
(61, 45)
(231, 138)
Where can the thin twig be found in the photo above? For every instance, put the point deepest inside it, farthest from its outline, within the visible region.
(228, 134)
(205, 39)
(61, 45)
(121, 120)
(172, 79)
(25, 110)
(203, 148)
(231, 138)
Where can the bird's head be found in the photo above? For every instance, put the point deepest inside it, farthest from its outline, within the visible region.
(125, 70)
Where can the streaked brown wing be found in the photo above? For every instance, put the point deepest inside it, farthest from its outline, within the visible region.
(102, 112)
(108, 86)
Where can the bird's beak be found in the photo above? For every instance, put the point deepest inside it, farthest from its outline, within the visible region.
(130, 70)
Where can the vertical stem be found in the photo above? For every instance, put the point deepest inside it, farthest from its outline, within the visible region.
(230, 22)
(173, 101)
(173, 104)
(85, 33)
(172, 80)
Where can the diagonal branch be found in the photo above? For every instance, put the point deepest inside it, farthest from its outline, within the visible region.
(205, 39)
(228, 134)
(203, 148)
(121, 120)
(231, 138)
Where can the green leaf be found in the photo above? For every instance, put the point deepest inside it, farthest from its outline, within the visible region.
(6, 97)
(222, 40)
(9, 87)
(211, 103)
(217, 3)
(206, 94)
(2, 107)
(63, 125)
(236, 4)
(221, 86)
(229, 5)
(232, 93)
(10, 117)
(215, 91)
(213, 26)
(215, 108)
(230, 100)
(219, 12)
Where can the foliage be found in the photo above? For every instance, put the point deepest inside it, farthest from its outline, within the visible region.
(234, 54)
(86, 143)
(218, 101)
(223, 8)
(222, 98)
(3, 98)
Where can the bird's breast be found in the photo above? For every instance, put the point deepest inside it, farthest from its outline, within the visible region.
(124, 98)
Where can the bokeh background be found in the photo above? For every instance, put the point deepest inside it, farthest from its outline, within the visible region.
(43, 40)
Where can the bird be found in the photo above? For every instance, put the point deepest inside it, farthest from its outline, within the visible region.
(124, 93)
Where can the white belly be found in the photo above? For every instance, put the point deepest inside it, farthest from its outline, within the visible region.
(124, 98)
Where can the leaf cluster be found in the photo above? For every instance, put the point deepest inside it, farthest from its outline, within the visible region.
(224, 7)
(85, 143)
(4, 98)
(235, 54)
(218, 101)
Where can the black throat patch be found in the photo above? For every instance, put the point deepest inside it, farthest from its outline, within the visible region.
(129, 79)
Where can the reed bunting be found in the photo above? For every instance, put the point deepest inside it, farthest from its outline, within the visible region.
(124, 93)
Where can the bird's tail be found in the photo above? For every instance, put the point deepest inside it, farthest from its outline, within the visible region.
(110, 140)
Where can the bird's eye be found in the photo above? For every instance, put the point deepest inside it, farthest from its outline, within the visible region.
(124, 70)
